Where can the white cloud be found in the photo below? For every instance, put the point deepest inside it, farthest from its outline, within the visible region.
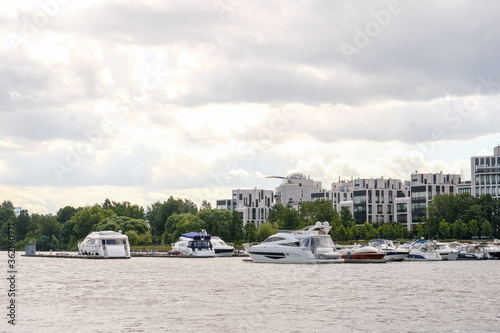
(143, 100)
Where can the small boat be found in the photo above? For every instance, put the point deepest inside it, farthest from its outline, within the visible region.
(362, 253)
(310, 245)
(422, 250)
(105, 244)
(392, 253)
(445, 251)
(473, 252)
(221, 248)
(195, 244)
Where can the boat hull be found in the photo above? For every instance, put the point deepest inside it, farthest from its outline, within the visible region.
(284, 256)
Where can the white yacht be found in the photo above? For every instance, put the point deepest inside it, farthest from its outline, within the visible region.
(195, 244)
(221, 248)
(105, 244)
(309, 245)
(391, 252)
(473, 252)
(423, 250)
(445, 251)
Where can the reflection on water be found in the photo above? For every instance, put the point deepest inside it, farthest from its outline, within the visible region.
(230, 295)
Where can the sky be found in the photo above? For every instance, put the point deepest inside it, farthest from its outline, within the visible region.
(139, 100)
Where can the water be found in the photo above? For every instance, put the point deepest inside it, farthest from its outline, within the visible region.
(230, 295)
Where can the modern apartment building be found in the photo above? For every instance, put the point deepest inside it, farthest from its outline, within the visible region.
(253, 205)
(485, 174)
(296, 188)
(426, 186)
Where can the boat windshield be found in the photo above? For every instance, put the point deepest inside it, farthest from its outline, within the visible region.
(324, 242)
(200, 245)
(273, 239)
(113, 241)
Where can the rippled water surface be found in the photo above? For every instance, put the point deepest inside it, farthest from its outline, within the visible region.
(231, 295)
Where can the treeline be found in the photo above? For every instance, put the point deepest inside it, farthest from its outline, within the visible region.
(448, 216)
(461, 217)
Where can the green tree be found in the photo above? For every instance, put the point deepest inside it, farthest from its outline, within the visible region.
(265, 230)
(6, 212)
(444, 229)
(23, 221)
(133, 237)
(205, 205)
(459, 229)
(158, 213)
(250, 232)
(290, 219)
(65, 214)
(486, 229)
(346, 217)
(85, 219)
(124, 208)
(275, 213)
(473, 228)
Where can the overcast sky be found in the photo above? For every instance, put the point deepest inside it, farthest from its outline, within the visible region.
(138, 100)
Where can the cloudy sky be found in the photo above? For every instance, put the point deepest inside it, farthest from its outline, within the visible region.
(138, 100)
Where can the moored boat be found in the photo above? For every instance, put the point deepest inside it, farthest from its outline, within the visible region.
(392, 253)
(195, 244)
(423, 250)
(309, 245)
(105, 244)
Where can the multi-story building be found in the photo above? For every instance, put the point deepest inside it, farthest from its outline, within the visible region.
(426, 186)
(253, 205)
(485, 174)
(296, 188)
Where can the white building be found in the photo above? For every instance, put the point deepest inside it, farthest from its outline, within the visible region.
(253, 205)
(485, 174)
(296, 188)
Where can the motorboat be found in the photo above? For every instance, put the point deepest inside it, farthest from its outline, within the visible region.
(392, 253)
(362, 253)
(309, 245)
(105, 244)
(473, 252)
(422, 250)
(221, 248)
(195, 244)
(445, 251)
(493, 250)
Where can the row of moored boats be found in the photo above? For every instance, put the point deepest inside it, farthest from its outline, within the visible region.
(314, 245)
(309, 245)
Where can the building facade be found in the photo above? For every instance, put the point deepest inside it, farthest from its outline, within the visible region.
(426, 186)
(252, 204)
(485, 174)
(296, 188)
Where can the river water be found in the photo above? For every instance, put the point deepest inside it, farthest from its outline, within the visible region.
(232, 295)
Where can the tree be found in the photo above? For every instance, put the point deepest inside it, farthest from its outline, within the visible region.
(124, 208)
(486, 229)
(250, 232)
(158, 213)
(85, 219)
(275, 213)
(473, 228)
(265, 230)
(23, 221)
(346, 217)
(459, 229)
(6, 212)
(444, 229)
(66, 213)
(205, 205)
(289, 219)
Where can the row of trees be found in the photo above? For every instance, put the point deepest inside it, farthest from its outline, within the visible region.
(448, 216)
(461, 216)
